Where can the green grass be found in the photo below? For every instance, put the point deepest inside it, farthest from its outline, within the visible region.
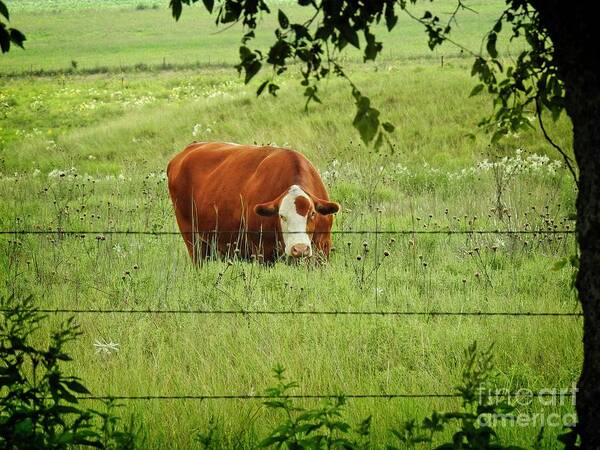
(124, 37)
(117, 131)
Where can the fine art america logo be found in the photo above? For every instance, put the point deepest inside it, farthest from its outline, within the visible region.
(531, 408)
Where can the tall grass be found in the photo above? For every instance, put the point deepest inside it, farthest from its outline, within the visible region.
(89, 152)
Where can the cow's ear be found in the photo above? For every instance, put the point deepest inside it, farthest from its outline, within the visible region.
(268, 209)
(325, 207)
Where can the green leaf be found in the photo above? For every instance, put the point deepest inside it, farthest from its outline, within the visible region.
(209, 4)
(476, 90)
(390, 16)
(498, 135)
(389, 127)
(268, 442)
(251, 70)
(4, 10)
(491, 45)
(366, 120)
(76, 386)
(498, 26)
(4, 39)
(350, 35)
(283, 20)
(176, 8)
(17, 37)
(262, 87)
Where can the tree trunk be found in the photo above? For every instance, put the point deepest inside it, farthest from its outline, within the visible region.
(573, 27)
(584, 114)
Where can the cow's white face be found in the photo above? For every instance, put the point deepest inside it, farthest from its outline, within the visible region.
(297, 212)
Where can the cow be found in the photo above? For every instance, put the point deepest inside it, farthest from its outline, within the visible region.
(253, 201)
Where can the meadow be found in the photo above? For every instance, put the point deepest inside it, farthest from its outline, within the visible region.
(85, 146)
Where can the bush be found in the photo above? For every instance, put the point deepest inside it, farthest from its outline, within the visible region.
(319, 428)
(39, 408)
(473, 433)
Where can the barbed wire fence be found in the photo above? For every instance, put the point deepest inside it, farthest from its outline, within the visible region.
(99, 234)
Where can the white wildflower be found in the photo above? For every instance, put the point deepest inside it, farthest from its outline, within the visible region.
(104, 346)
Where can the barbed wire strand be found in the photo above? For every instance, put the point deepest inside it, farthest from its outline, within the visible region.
(349, 232)
(306, 313)
(521, 393)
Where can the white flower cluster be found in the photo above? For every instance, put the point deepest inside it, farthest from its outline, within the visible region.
(161, 175)
(190, 91)
(200, 130)
(72, 173)
(63, 173)
(517, 164)
(4, 105)
(140, 101)
(37, 103)
(508, 166)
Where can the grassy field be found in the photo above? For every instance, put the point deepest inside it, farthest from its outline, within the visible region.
(88, 151)
(121, 34)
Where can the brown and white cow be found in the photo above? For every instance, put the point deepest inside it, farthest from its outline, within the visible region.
(263, 201)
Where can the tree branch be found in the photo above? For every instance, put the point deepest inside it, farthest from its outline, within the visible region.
(567, 159)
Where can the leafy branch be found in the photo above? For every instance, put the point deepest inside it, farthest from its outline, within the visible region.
(8, 35)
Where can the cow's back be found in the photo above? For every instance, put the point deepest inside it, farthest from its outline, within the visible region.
(208, 183)
(208, 178)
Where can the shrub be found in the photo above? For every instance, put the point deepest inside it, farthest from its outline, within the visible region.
(473, 433)
(319, 428)
(39, 407)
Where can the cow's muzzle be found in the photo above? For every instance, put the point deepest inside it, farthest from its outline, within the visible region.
(300, 250)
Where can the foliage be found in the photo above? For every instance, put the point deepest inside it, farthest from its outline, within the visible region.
(39, 407)
(474, 433)
(8, 35)
(318, 428)
(317, 44)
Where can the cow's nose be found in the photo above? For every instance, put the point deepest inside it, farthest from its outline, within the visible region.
(299, 250)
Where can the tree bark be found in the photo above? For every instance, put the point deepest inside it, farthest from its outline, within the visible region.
(573, 29)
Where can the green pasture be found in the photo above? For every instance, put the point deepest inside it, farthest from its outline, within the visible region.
(88, 151)
(67, 35)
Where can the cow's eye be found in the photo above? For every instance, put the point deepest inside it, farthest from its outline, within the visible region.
(283, 218)
(313, 214)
